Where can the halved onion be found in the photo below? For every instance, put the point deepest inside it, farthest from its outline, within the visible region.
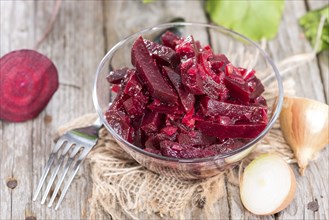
(267, 185)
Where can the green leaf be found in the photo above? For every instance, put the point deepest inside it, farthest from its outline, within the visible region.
(148, 1)
(310, 23)
(254, 19)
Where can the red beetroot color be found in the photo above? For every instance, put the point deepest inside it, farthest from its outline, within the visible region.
(28, 81)
(184, 101)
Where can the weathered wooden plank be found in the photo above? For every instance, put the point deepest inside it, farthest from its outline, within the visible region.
(79, 47)
(290, 42)
(76, 46)
(16, 138)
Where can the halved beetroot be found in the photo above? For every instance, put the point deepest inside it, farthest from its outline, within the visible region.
(150, 74)
(28, 81)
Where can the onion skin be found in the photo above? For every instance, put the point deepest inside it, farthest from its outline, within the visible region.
(289, 197)
(304, 124)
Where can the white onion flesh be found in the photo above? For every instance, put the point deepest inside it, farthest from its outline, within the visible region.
(267, 185)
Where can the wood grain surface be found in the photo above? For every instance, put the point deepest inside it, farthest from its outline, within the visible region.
(82, 33)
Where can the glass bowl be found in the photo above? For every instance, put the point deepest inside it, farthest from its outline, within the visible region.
(240, 51)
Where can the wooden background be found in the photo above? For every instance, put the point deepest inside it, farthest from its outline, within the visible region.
(81, 35)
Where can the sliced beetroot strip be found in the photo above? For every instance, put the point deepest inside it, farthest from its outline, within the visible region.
(214, 108)
(162, 107)
(148, 72)
(164, 55)
(187, 99)
(195, 138)
(230, 131)
(169, 39)
(238, 88)
(192, 78)
(28, 81)
(151, 122)
(116, 76)
(256, 87)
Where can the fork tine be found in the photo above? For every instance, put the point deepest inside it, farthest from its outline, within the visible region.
(44, 175)
(47, 168)
(52, 179)
(54, 174)
(75, 170)
(67, 166)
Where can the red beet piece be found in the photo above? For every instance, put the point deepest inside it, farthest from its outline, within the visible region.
(226, 147)
(215, 90)
(191, 77)
(188, 120)
(169, 39)
(170, 118)
(243, 90)
(136, 104)
(167, 133)
(165, 108)
(164, 55)
(238, 88)
(132, 84)
(255, 86)
(187, 99)
(230, 131)
(174, 149)
(218, 62)
(118, 119)
(150, 74)
(169, 130)
(115, 88)
(193, 152)
(138, 139)
(116, 76)
(248, 113)
(260, 100)
(186, 48)
(152, 122)
(28, 80)
(203, 58)
(152, 142)
(170, 149)
(195, 138)
(247, 74)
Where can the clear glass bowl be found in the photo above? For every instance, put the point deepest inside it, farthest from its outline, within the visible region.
(240, 51)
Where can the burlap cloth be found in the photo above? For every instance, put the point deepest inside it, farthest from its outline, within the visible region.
(121, 188)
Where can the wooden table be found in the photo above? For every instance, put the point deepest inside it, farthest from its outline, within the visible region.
(81, 35)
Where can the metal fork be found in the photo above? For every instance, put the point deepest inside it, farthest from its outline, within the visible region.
(75, 144)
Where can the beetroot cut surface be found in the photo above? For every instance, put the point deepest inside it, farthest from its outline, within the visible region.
(28, 81)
